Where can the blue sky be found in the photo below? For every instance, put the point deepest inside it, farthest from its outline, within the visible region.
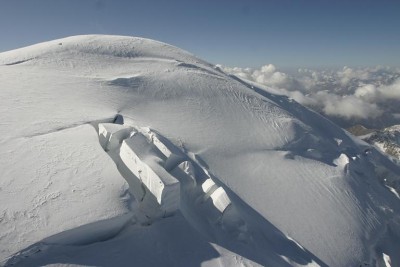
(248, 33)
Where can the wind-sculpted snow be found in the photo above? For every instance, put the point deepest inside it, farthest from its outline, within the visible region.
(262, 180)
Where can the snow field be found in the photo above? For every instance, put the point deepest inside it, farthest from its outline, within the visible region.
(67, 168)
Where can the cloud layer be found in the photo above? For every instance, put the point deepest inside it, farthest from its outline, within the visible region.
(363, 95)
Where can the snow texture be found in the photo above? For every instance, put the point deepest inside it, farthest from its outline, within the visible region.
(110, 134)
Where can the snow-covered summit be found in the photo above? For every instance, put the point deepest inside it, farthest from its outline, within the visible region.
(262, 180)
(96, 45)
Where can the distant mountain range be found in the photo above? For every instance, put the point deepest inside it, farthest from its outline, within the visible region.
(386, 140)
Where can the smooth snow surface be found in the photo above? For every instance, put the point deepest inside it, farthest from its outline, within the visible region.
(237, 175)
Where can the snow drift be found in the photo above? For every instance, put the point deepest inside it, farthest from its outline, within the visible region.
(254, 178)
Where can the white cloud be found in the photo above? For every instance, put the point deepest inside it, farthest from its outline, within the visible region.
(367, 92)
(348, 74)
(381, 93)
(391, 91)
(349, 106)
(349, 93)
(268, 68)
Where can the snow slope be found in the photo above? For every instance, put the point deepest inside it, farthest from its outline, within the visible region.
(263, 180)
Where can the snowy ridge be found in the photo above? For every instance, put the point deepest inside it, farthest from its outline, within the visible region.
(235, 173)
